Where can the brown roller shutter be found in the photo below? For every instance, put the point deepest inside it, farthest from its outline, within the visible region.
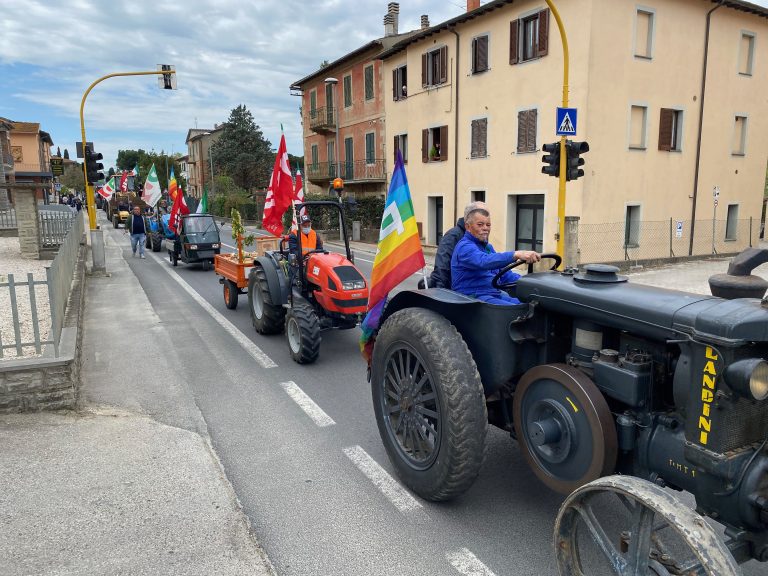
(443, 142)
(521, 130)
(513, 42)
(665, 129)
(396, 147)
(443, 64)
(425, 145)
(424, 70)
(531, 131)
(543, 32)
(394, 84)
(480, 54)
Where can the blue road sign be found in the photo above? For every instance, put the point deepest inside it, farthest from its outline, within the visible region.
(566, 121)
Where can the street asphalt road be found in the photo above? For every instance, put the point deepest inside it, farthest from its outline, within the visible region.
(301, 448)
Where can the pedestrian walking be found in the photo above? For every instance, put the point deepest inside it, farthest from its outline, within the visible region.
(137, 225)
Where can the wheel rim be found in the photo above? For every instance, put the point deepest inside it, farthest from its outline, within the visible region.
(257, 302)
(226, 291)
(411, 407)
(294, 335)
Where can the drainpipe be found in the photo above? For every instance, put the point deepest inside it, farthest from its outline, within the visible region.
(701, 122)
(456, 136)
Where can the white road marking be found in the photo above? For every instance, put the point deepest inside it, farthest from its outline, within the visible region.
(468, 564)
(256, 352)
(395, 493)
(307, 404)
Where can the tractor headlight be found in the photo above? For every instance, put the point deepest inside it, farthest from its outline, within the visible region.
(355, 285)
(749, 377)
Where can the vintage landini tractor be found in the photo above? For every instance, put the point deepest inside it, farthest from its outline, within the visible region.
(617, 394)
(307, 294)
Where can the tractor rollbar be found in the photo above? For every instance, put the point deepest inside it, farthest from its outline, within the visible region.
(342, 228)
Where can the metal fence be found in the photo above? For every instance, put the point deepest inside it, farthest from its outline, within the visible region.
(8, 219)
(652, 240)
(59, 283)
(54, 226)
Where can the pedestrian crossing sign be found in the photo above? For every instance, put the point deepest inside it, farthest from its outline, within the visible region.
(566, 121)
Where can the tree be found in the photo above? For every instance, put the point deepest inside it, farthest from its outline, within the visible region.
(58, 151)
(73, 177)
(128, 159)
(66, 154)
(295, 163)
(242, 152)
(111, 172)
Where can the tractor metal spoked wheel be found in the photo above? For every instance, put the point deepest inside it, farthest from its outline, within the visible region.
(429, 403)
(302, 329)
(231, 293)
(626, 526)
(564, 427)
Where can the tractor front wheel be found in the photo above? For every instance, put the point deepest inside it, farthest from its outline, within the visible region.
(157, 243)
(267, 317)
(302, 329)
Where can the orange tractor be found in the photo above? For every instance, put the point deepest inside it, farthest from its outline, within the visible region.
(306, 293)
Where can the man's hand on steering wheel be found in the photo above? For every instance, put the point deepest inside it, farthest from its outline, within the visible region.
(520, 254)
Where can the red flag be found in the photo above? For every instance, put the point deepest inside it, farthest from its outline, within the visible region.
(178, 209)
(279, 193)
(124, 182)
(298, 198)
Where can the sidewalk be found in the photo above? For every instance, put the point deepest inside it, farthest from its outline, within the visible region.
(108, 491)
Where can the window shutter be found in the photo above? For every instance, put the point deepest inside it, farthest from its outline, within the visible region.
(514, 45)
(425, 145)
(521, 130)
(424, 64)
(474, 54)
(531, 131)
(396, 147)
(443, 142)
(474, 144)
(665, 129)
(543, 32)
(483, 150)
(394, 84)
(482, 54)
(443, 64)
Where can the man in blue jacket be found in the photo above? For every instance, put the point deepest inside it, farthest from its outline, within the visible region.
(441, 274)
(474, 262)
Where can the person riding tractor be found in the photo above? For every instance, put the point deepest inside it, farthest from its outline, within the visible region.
(310, 240)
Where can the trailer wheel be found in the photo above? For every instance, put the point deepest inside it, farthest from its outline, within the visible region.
(230, 294)
(267, 317)
(302, 330)
(429, 403)
(625, 525)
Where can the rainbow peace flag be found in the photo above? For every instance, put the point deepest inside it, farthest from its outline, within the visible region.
(399, 253)
(173, 186)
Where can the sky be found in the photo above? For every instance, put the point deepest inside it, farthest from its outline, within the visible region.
(226, 53)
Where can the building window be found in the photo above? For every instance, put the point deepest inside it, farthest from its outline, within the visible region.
(331, 151)
(434, 67)
(478, 196)
(480, 54)
(347, 91)
(638, 120)
(671, 130)
(401, 143)
(746, 53)
(732, 222)
(632, 227)
(434, 144)
(529, 37)
(526, 131)
(369, 82)
(370, 148)
(400, 83)
(739, 147)
(314, 155)
(644, 25)
(479, 143)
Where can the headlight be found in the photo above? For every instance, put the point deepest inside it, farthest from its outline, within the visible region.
(749, 378)
(356, 285)
(758, 381)
(215, 245)
(193, 247)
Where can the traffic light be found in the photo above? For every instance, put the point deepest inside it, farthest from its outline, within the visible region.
(93, 167)
(574, 159)
(551, 160)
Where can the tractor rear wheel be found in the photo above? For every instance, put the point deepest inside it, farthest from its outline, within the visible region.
(302, 329)
(157, 243)
(266, 316)
(429, 403)
(230, 294)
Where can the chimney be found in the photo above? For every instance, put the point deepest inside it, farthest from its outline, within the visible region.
(394, 9)
(424, 21)
(389, 25)
(472, 5)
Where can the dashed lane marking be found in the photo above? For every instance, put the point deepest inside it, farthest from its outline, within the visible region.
(307, 404)
(467, 563)
(256, 352)
(394, 492)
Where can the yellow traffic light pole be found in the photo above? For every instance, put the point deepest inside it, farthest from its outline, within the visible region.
(563, 151)
(88, 188)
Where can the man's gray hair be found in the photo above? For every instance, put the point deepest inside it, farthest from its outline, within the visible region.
(472, 206)
(471, 216)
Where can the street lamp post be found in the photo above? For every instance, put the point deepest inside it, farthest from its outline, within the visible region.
(335, 82)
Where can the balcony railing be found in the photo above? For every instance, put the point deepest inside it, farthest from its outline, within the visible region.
(350, 172)
(31, 167)
(322, 119)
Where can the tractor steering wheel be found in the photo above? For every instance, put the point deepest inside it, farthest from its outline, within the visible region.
(307, 254)
(495, 282)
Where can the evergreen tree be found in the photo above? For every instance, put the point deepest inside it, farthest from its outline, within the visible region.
(66, 154)
(242, 152)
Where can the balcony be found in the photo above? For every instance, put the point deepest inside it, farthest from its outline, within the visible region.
(351, 172)
(31, 169)
(322, 120)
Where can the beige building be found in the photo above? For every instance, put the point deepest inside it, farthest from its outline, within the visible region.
(671, 96)
(199, 168)
(30, 155)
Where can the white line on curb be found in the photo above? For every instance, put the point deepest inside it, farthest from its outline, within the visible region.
(257, 353)
(468, 564)
(307, 404)
(394, 492)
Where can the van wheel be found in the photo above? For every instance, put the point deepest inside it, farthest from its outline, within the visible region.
(302, 329)
(266, 316)
(429, 403)
(230, 294)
